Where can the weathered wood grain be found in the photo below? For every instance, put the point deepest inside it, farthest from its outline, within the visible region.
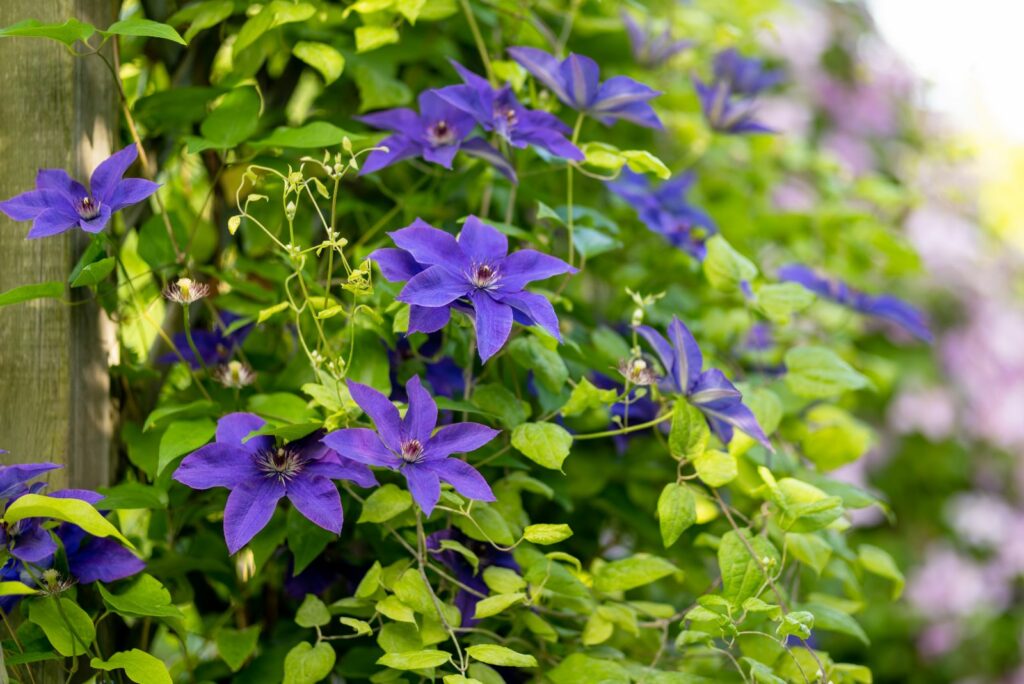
(55, 111)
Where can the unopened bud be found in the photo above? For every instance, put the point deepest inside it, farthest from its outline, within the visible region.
(289, 211)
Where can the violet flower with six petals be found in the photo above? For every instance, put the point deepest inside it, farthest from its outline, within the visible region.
(728, 102)
(259, 474)
(436, 134)
(885, 307)
(500, 111)
(474, 269)
(410, 446)
(709, 391)
(575, 81)
(60, 203)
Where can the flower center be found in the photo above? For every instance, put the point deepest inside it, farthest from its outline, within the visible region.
(484, 276)
(508, 114)
(88, 208)
(412, 451)
(440, 133)
(282, 463)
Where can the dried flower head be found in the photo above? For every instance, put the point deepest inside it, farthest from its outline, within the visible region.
(186, 291)
(234, 374)
(637, 372)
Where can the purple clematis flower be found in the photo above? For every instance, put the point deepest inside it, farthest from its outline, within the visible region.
(94, 559)
(60, 203)
(709, 391)
(214, 346)
(885, 307)
(474, 270)
(728, 102)
(501, 112)
(259, 474)
(652, 49)
(436, 134)
(575, 81)
(665, 210)
(410, 446)
(488, 556)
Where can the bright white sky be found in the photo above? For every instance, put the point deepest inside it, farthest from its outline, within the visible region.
(972, 52)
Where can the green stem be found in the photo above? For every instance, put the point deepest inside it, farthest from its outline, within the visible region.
(188, 336)
(421, 556)
(621, 431)
(569, 210)
(479, 40)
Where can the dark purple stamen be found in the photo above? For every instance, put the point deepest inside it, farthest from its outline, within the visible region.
(88, 208)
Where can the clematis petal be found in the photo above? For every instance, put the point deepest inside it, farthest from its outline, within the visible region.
(28, 205)
(363, 446)
(713, 386)
(421, 417)
(33, 543)
(482, 243)
(250, 506)
(424, 486)
(543, 67)
(103, 560)
(107, 176)
(899, 312)
(51, 222)
(619, 91)
(528, 265)
(399, 148)
(536, 308)
(131, 191)
(470, 100)
(443, 155)
(381, 411)
(396, 265)
(466, 479)
(581, 76)
(337, 467)
(317, 499)
(689, 360)
(493, 321)
(550, 140)
(57, 179)
(95, 225)
(216, 465)
(430, 246)
(639, 113)
(435, 286)
(402, 120)
(428, 319)
(735, 415)
(481, 149)
(664, 351)
(13, 477)
(233, 428)
(459, 438)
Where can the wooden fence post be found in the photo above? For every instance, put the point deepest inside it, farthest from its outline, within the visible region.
(57, 111)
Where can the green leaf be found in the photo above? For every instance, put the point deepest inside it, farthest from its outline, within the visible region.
(583, 669)
(724, 267)
(23, 293)
(834, 438)
(370, 583)
(798, 624)
(414, 660)
(492, 654)
(762, 674)
(597, 630)
(68, 628)
(471, 558)
(742, 575)
(809, 549)
(315, 134)
(305, 540)
(392, 607)
(15, 588)
(183, 437)
(275, 13)
(267, 313)
(547, 534)
(878, 562)
(689, 435)
(546, 364)
(308, 664)
(677, 511)
(492, 605)
(203, 16)
(74, 511)
(410, 9)
(236, 645)
(642, 161)
(501, 402)
(779, 301)
(716, 468)
(322, 57)
(159, 416)
(585, 396)
(384, 504)
(312, 613)
(546, 444)
(234, 120)
(372, 37)
(379, 90)
(93, 273)
(834, 620)
(145, 597)
(138, 665)
(503, 580)
(133, 496)
(630, 573)
(68, 33)
(818, 373)
(144, 28)
(361, 627)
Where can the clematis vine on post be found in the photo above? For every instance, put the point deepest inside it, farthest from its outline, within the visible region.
(259, 474)
(708, 390)
(60, 203)
(410, 446)
(473, 273)
(885, 307)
